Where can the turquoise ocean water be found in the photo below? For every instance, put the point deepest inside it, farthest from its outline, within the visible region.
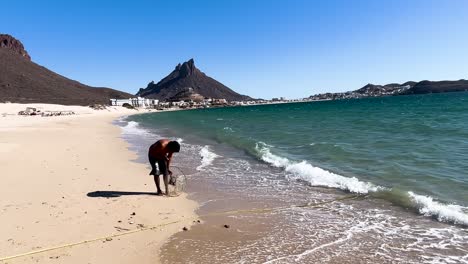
(406, 157)
(411, 150)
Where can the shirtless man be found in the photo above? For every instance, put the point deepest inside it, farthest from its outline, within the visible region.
(161, 152)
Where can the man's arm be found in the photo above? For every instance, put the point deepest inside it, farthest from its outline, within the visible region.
(169, 158)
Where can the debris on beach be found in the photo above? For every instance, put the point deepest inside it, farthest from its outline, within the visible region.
(227, 226)
(31, 111)
(98, 107)
(185, 228)
(121, 229)
(133, 213)
(57, 113)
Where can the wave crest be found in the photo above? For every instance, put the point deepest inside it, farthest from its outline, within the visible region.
(443, 212)
(207, 157)
(133, 128)
(314, 175)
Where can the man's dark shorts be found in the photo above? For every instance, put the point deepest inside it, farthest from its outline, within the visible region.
(162, 164)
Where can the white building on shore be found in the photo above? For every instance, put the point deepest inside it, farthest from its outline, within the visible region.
(135, 102)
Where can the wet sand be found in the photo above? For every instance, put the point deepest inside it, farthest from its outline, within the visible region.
(342, 228)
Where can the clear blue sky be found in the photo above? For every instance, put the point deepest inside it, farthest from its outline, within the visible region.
(260, 48)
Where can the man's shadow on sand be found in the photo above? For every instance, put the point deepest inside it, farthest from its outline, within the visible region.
(111, 194)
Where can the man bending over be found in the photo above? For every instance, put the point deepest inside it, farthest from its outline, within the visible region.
(161, 152)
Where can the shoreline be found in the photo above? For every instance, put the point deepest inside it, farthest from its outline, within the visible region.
(242, 200)
(69, 179)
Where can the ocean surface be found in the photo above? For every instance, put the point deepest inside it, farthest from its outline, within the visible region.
(404, 160)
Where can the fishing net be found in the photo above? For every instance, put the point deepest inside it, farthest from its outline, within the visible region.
(177, 182)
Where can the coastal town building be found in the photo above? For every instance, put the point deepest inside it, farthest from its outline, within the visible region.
(135, 102)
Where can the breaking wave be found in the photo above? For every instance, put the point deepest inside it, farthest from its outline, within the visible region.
(207, 157)
(133, 128)
(316, 176)
(442, 212)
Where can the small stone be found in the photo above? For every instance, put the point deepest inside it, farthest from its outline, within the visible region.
(198, 221)
(108, 239)
(120, 221)
(185, 228)
(133, 213)
(226, 226)
(131, 222)
(86, 212)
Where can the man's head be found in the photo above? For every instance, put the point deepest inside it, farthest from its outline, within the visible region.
(173, 146)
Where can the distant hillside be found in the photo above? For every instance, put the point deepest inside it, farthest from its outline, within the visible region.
(374, 88)
(187, 76)
(425, 87)
(23, 81)
(407, 88)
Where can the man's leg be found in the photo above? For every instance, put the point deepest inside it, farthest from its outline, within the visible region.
(152, 162)
(166, 181)
(156, 180)
(162, 164)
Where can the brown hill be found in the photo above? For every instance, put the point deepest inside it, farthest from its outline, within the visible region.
(23, 81)
(424, 87)
(188, 76)
(187, 94)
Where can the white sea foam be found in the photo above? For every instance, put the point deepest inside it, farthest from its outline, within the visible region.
(319, 177)
(133, 128)
(207, 157)
(443, 212)
(315, 175)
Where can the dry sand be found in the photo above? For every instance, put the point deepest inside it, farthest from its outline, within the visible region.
(50, 170)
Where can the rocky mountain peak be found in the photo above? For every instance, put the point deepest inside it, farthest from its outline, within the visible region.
(185, 76)
(187, 68)
(9, 42)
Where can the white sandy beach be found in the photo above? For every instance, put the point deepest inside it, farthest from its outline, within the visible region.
(49, 165)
